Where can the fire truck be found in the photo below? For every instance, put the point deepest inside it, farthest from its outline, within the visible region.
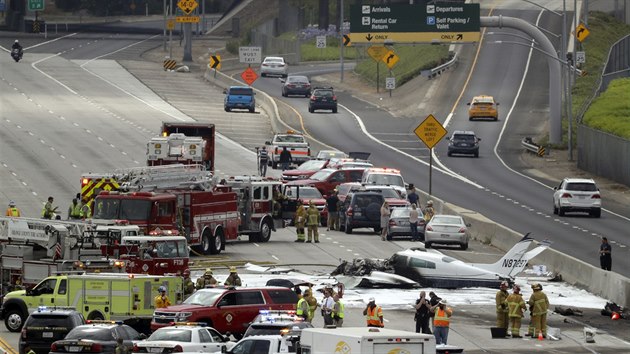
(185, 200)
(183, 143)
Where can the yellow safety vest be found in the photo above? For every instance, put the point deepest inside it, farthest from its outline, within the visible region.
(339, 313)
(373, 316)
(86, 213)
(15, 212)
(75, 211)
(300, 311)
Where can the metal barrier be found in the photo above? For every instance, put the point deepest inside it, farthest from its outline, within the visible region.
(440, 68)
(530, 146)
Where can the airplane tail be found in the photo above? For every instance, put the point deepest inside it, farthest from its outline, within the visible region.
(515, 260)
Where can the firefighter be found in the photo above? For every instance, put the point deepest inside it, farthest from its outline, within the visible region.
(189, 286)
(233, 279)
(502, 306)
(538, 304)
(428, 211)
(13, 211)
(312, 222)
(278, 198)
(49, 210)
(312, 303)
(86, 212)
(300, 221)
(302, 308)
(162, 301)
(74, 211)
(207, 280)
(337, 313)
(516, 306)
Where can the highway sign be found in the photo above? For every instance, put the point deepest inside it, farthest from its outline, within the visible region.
(187, 6)
(35, 5)
(430, 131)
(215, 62)
(320, 42)
(581, 32)
(250, 55)
(187, 19)
(390, 83)
(170, 24)
(411, 23)
(390, 58)
(377, 52)
(580, 57)
(249, 76)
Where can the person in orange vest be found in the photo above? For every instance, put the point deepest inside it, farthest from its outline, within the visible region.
(373, 314)
(441, 321)
(13, 211)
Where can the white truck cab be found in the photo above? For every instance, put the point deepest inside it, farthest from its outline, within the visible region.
(385, 177)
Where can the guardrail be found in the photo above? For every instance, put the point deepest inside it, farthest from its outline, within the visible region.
(530, 146)
(440, 68)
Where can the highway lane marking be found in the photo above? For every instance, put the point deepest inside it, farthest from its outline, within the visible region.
(50, 77)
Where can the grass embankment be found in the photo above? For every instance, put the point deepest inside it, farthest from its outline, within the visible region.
(605, 30)
(610, 112)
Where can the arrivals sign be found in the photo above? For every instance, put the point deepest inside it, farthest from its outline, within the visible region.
(447, 22)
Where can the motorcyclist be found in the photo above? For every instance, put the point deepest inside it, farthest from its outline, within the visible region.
(17, 45)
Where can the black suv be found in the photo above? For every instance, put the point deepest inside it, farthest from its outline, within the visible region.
(47, 325)
(277, 322)
(361, 209)
(463, 142)
(323, 98)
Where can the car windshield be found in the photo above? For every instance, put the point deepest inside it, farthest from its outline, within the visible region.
(323, 93)
(99, 334)
(400, 213)
(205, 298)
(274, 61)
(302, 192)
(331, 154)
(289, 139)
(345, 188)
(464, 137)
(49, 321)
(321, 175)
(297, 79)
(486, 100)
(392, 180)
(171, 334)
(311, 165)
(243, 91)
(581, 187)
(448, 220)
(386, 192)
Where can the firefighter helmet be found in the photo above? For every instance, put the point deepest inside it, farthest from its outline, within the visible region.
(232, 269)
(208, 271)
(12, 204)
(186, 272)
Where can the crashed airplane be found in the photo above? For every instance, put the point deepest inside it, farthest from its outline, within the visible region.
(430, 268)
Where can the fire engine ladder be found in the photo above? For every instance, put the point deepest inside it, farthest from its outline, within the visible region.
(32, 230)
(164, 177)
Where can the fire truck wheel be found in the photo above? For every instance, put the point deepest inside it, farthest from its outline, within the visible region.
(96, 316)
(216, 242)
(265, 232)
(14, 320)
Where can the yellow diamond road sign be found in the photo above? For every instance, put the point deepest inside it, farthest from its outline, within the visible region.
(377, 52)
(581, 32)
(390, 59)
(187, 6)
(430, 131)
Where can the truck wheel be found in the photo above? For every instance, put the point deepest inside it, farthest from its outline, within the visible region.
(204, 248)
(14, 320)
(96, 316)
(227, 109)
(265, 232)
(216, 243)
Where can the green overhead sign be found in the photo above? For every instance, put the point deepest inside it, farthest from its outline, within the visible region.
(415, 18)
(36, 5)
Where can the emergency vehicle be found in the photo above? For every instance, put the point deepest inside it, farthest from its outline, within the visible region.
(296, 144)
(380, 176)
(35, 248)
(106, 296)
(183, 143)
(365, 340)
(155, 255)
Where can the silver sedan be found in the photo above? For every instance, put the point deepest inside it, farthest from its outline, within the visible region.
(399, 223)
(448, 230)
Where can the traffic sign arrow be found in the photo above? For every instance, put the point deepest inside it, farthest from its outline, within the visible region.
(460, 36)
(215, 62)
(390, 58)
(369, 37)
(346, 40)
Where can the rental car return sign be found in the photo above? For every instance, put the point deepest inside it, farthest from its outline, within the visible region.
(400, 23)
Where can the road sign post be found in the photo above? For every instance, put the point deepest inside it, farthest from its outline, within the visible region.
(377, 52)
(250, 55)
(249, 76)
(430, 131)
(390, 83)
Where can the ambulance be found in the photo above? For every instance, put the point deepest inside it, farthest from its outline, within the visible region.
(106, 296)
(364, 340)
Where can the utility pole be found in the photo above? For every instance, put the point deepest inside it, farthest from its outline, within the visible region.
(341, 40)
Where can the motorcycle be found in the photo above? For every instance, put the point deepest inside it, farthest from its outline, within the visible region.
(16, 54)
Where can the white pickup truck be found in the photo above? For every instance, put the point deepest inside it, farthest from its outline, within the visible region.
(265, 344)
(294, 142)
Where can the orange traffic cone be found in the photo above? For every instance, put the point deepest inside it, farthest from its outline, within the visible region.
(615, 316)
(540, 336)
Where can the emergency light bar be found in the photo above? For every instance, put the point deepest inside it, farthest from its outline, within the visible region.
(103, 322)
(198, 324)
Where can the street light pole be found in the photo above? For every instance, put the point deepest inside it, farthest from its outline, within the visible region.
(341, 40)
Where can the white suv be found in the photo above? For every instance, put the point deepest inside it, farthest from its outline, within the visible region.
(385, 177)
(577, 195)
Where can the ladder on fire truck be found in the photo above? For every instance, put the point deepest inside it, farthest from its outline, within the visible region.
(37, 231)
(164, 177)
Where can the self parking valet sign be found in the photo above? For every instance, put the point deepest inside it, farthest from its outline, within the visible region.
(400, 23)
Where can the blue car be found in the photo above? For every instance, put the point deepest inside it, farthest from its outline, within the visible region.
(241, 97)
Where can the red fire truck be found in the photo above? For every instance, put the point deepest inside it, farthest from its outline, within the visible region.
(183, 199)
